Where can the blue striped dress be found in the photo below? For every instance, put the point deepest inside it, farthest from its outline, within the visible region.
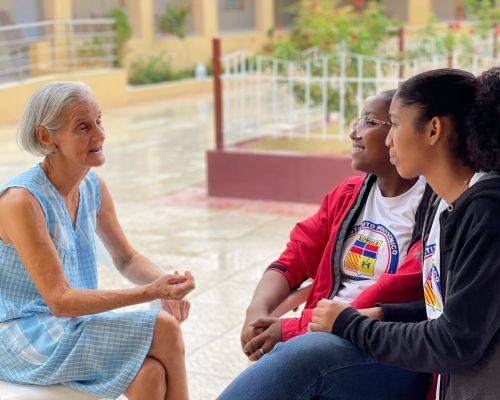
(99, 354)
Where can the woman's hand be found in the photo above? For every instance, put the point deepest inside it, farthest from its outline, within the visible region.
(173, 287)
(265, 341)
(179, 309)
(325, 314)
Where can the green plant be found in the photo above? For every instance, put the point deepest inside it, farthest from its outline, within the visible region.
(175, 18)
(152, 69)
(91, 53)
(430, 42)
(328, 26)
(123, 32)
(157, 68)
(483, 13)
(325, 24)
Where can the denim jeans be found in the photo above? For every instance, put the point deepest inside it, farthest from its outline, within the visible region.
(324, 366)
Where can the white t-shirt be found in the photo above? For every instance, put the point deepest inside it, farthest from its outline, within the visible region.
(379, 240)
(430, 270)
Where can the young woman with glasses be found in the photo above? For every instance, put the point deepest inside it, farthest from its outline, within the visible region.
(361, 247)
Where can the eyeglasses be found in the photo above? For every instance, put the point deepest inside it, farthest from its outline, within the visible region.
(365, 122)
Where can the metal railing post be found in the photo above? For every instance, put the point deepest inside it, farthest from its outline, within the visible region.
(219, 133)
(401, 50)
(450, 51)
(496, 30)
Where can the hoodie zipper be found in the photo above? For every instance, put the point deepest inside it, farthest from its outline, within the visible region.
(344, 228)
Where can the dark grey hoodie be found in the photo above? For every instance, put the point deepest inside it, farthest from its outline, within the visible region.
(463, 343)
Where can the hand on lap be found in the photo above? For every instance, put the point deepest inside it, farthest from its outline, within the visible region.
(266, 340)
(325, 314)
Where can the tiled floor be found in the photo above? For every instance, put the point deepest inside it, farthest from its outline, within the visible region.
(156, 173)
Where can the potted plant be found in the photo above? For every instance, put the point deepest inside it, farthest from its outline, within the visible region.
(175, 18)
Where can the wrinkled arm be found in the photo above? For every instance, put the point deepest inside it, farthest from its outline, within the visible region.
(23, 225)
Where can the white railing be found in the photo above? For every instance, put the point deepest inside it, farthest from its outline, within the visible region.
(418, 38)
(33, 49)
(314, 98)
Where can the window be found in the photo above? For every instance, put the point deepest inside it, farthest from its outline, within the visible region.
(236, 15)
(159, 10)
(284, 12)
(396, 9)
(20, 11)
(96, 8)
(444, 10)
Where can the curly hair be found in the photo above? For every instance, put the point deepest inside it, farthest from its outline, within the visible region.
(442, 92)
(483, 141)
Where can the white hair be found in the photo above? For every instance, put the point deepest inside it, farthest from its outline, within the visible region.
(44, 109)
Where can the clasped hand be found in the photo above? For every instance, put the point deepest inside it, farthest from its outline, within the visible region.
(263, 333)
(171, 291)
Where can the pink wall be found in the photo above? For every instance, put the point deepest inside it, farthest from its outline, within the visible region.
(282, 176)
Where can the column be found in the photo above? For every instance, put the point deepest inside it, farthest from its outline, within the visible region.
(142, 16)
(418, 11)
(206, 22)
(264, 14)
(58, 9)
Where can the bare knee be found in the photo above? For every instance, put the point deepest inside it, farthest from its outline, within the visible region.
(154, 372)
(151, 380)
(167, 336)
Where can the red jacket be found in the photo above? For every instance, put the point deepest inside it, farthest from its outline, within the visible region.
(314, 251)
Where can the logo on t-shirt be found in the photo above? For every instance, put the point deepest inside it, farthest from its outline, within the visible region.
(432, 289)
(362, 256)
(429, 251)
(432, 284)
(372, 242)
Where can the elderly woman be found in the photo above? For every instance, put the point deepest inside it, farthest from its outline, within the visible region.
(55, 325)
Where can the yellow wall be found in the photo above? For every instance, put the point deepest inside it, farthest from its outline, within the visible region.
(162, 91)
(195, 49)
(183, 53)
(419, 11)
(109, 87)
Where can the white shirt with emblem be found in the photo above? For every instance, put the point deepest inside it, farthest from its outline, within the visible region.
(430, 270)
(378, 241)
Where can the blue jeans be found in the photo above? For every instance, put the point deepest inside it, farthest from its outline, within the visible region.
(324, 366)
